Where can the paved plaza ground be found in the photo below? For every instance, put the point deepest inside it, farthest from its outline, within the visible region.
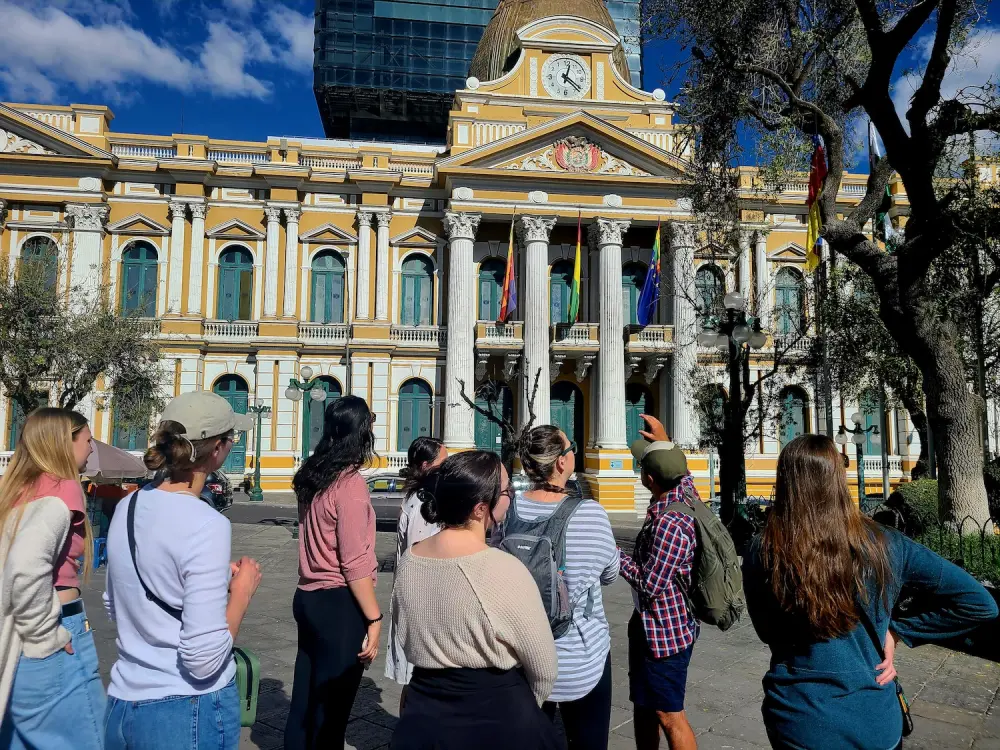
(953, 695)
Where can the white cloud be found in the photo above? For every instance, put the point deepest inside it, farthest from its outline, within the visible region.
(297, 33)
(240, 6)
(223, 59)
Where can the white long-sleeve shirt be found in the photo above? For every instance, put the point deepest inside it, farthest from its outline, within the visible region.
(183, 552)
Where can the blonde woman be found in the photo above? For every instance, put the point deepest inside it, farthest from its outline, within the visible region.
(49, 683)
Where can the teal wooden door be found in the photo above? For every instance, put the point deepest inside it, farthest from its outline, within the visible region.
(18, 418)
(566, 407)
(234, 389)
(235, 285)
(633, 277)
(788, 302)
(327, 305)
(139, 267)
(44, 252)
(316, 411)
(134, 438)
(794, 419)
(560, 286)
(491, 275)
(637, 401)
(501, 403)
(414, 413)
(869, 407)
(710, 289)
(417, 292)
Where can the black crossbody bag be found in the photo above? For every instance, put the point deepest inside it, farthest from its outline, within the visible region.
(904, 705)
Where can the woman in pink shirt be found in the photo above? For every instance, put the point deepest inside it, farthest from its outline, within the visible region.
(338, 618)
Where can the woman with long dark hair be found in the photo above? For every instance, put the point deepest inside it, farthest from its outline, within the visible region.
(821, 584)
(470, 619)
(423, 455)
(338, 618)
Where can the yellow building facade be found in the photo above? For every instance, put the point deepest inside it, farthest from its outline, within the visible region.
(378, 266)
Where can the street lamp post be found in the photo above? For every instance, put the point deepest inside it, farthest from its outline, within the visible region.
(256, 494)
(858, 433)
(314, 387)
(736, 334)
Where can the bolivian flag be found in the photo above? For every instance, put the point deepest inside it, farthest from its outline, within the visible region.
(574, 294)
(508, 300)
(650, 294)
(817, 173)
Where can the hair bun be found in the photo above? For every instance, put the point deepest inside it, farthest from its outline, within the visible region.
(428, 506)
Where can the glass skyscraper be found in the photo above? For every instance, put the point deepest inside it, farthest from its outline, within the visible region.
(388, 69)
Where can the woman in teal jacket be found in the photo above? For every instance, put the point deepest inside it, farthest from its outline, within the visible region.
(817, 581)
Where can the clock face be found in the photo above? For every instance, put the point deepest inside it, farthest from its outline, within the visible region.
(566, 77)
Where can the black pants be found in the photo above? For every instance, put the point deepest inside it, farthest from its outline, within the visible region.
(327, 670)
(587, 720)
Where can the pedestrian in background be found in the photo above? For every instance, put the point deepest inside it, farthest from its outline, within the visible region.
(50, 688)
(471, 621)
(176, 597)
(338, 618)
(423, 455)
(821, 583)
(589, 560)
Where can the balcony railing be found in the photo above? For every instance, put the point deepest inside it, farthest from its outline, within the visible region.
(327, 162)
(487, 132)
(418, 169)
(425, 337)
(793, 344)
(148, 326)
(659, 138)
(575, 334)
(396, 460)
(324, 333)
(239, 157)
(231, 330)
(138, 150)
(650, 337)
(59, 120)
(873, 466)
(493, 334)
(4, 460)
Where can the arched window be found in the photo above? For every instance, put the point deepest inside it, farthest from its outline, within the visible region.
(633, 277)
(235, 284)
(44, 252)
(139, 267)
(414, 413)
(417, 295)
(315, 410)
(638, 400)
(788, 302)
(18, 418)
(234, 389)
(566, 409)
(491, 275)
(710, 289)
(711, 404)
(560, 286)
(793, 419)
(870, 407)
(128, 438)
(327, 288)
(495, 398)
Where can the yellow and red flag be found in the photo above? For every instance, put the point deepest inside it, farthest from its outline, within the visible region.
(817, 173)
(508, 300)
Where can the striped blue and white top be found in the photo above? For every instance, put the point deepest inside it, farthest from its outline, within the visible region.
(591, 562)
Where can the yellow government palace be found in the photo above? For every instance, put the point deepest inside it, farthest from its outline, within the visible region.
(376, 268)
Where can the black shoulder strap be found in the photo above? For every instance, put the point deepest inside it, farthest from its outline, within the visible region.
(175, 613)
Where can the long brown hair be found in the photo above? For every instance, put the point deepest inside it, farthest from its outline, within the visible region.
(822, 554)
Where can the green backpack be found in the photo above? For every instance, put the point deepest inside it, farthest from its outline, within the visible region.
(716, 591)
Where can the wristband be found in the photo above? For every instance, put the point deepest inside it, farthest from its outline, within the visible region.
(372, 622)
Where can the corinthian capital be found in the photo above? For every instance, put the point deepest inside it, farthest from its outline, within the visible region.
(682, 235)
(383, 219)
(364, 220)
(608, 232)
(87, 217)
(273, 214)
(3, 212)
(177, 209)
(535, 228)
(460, 225)
(293, 214)
(198, 210)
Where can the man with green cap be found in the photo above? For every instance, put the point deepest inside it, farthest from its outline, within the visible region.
(662, 630)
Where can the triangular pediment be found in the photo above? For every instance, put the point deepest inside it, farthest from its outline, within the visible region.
(416, 237)
(140, 226)
(234, 229)
(790, 252)
(330, 233)
(575, 144)
(23, 135)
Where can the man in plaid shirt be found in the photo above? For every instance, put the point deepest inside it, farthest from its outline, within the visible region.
(662, 630)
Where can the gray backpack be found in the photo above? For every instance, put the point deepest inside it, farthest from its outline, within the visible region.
(541, 546)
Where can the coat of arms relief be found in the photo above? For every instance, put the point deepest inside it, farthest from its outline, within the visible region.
(12, 143)
(574, 153)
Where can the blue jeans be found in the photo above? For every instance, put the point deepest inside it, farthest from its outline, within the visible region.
(58, 701)
(179, 722)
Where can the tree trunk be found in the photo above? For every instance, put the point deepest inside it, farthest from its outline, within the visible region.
(919, 419)
(732, 458)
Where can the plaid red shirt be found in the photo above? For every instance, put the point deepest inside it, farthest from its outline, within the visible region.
(664, 555)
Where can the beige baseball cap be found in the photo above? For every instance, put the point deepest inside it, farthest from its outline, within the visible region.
(204, 414)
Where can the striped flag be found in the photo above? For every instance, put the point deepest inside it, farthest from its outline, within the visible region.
(574, 294)
(817, 173)
(508, 300)
(650, 294)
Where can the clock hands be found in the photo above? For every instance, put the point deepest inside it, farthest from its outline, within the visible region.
(567, 79)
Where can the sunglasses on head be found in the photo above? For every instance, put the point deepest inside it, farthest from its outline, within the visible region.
(571, 448)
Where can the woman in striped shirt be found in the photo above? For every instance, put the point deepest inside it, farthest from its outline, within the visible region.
(582, 691)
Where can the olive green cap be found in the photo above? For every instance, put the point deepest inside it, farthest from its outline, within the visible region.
(662, 460)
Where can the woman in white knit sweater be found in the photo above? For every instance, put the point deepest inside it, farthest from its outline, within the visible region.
(470, 619)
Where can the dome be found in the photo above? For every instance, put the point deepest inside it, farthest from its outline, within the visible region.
(498, 49)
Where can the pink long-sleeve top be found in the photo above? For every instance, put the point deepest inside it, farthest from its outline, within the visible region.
(67, 573)
(337, 535)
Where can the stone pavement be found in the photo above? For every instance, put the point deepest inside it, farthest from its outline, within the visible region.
(953, 696)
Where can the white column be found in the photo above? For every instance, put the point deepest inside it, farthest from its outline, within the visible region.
(382, 266)
(291, 260)
(198, 211)
(606, 234)
(762, 286)
(744, 265)
(534, 231)
(271, 272)
(364, 264)
(88, 231)
(685, 347)
(459, 421)
(176, 274)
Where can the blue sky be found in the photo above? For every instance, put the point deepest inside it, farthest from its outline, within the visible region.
(239, 69)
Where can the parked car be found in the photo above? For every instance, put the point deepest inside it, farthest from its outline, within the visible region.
(387, 498)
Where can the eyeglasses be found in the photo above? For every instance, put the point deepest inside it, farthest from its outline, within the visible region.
(571, 448)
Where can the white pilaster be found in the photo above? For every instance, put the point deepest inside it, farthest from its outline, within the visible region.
(176, 274)
(762, 287)
(291, 260)
(364, 264)
(534, 232)
(607, 235)
(88, 230)
(744, 265)
(459, 423)
(271, 272)
(198, 211)
(382, 267)
(685, 347)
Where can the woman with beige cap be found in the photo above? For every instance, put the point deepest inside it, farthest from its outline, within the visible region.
(177, 599)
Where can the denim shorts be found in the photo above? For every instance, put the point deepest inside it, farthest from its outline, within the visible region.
(178, 722)
(58, 701)
(656, 684)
